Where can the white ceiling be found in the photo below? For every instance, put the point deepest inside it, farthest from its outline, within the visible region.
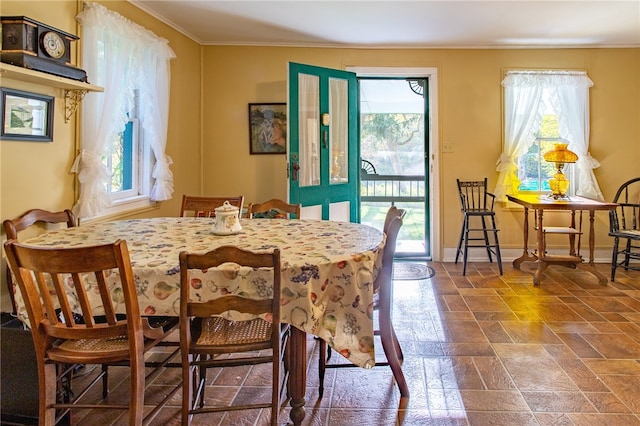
(411, 24)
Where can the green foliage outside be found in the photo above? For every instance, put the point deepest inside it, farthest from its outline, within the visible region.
(373, 214)
(533, 171)
(393, 142)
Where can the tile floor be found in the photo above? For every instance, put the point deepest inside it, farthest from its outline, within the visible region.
(480, 349)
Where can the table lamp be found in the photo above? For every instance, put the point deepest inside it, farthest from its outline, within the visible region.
(560, 155)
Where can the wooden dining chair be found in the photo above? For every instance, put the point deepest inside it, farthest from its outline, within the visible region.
(624, 226)
(275, 208)
(206, 206)
(207, 335)
(45, 276)
(383, 300)
(13, 227)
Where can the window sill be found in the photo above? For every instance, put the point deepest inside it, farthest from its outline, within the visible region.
(124, 208)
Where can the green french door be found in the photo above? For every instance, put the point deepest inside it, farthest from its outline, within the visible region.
(323, 155)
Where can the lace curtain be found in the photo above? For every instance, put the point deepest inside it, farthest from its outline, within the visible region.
(569, 94)
(121, 56)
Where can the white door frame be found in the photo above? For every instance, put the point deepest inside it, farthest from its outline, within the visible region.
(431, 73)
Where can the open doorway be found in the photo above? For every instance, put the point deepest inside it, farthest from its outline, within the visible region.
(394, 149)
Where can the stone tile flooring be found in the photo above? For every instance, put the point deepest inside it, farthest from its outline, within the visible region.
(480, 349)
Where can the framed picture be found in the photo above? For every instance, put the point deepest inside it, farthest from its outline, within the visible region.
(268, 128)
(26, 116)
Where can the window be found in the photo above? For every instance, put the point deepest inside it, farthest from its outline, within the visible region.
(533, 171)
(542, 108)
(122, 162)
(122, 165)
(130, 162)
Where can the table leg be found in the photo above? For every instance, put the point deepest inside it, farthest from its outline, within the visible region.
(526, 257)
(591, 267)
(542, 265)
(297, 374)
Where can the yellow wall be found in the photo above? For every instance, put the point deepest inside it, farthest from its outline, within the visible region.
(213, 85)
(37, 174)
(470, 102)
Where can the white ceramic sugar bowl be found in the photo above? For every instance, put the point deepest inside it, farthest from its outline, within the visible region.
(227, 220)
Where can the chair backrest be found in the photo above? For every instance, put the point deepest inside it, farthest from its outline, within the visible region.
(392, 224)
(206, 206)
(385, 275)
(626, 216)
(13, 227)
(45, 276)
(285, 209)
(192, 264)
(474, 195)
(392, 213)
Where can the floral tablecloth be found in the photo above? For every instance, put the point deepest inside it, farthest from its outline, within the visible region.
(328, 270)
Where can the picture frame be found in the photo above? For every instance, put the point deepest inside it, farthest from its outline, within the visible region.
(26, 116)
(268, 128)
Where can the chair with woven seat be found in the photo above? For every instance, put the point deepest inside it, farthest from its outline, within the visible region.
(13, 227)
(624, 224)
(280, 209)
(44, 276)
(477, 204)
(206, 335)
(206, 206)
(383, 300)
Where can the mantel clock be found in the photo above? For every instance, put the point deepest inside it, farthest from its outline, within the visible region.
(31, 44)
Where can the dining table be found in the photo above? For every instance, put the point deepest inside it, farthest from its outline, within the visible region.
(328, 270)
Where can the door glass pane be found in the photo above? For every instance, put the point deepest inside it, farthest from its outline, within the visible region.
(392, 141)
(339, 129)
(309, 111)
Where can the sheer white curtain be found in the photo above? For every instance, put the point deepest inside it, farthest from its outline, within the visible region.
(523, 96)
(154, 112)
(120, 56)
(309, 106)
(573, 100)
(339, 129)
(569, 93)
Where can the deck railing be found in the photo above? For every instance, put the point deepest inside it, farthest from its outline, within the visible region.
(392, 188)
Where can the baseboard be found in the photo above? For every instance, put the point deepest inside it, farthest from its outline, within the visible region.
(509, 255)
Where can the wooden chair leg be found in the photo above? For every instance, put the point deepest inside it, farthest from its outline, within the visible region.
(614, 260)
(105, 381)
(386, 335)
(465, 252)
(322, 362)
(48, 392)
(137, 386)
(495, 236)
(486, 238)
(396, 345)
(460, 241)
(627, 254)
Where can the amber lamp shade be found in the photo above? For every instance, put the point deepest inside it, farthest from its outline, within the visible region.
(560, 156)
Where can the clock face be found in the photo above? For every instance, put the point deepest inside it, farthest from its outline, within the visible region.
(53, 45)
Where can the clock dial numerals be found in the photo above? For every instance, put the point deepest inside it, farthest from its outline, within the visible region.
(53, 45)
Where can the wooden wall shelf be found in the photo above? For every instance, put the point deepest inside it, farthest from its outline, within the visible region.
(74, 90)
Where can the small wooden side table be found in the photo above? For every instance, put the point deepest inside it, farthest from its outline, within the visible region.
(539, 203)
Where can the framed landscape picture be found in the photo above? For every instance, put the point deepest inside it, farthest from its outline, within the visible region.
(26, 116)
(268, 128)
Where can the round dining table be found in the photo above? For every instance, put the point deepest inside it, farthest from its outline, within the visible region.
(328, 269)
